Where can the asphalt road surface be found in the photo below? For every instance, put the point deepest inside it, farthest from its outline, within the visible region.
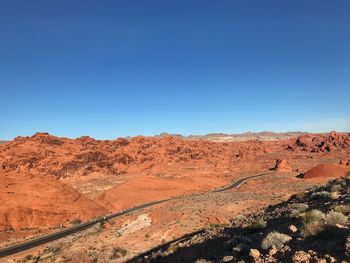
(19, 247)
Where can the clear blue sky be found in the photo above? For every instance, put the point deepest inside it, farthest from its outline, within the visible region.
(118, 68)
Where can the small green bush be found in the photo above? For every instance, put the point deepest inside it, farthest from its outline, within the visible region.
(335, 184)
(118, 252)
(76, 221)
(336, 187)
(257, 223)
(297, 209)
(299, 196)
(30, 258)
(241, 248)
(239, 219)
(320, 195)
(312, 229)
(312, 222)
(333, 218)
(172, 248)
(312, 216)
(344, 209)
(347, 176)
(52, 249)
(334, 195)
(300, 207)
(275, 239)
(202, 261)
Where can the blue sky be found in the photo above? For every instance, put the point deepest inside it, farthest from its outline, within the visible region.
(118, 68)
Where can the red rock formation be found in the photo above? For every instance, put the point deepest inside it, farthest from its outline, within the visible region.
(282, 165)
(36, 201)
(344, 162)
(63, 157)
(327, 171)
(323, 143)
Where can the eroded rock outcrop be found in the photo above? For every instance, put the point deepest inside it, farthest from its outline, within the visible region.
(63, 157)
(282, 165)
(35, 201)
(323, 143)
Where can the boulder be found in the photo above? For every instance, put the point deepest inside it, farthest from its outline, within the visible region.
(282, 165)
(254, 253)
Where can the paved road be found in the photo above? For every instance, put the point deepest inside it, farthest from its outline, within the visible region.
(239, 182)
(6, 251)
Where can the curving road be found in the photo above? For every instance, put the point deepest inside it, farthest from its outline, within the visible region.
(19, 247)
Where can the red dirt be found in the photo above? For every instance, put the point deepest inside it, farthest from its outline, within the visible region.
(327, 171)
(146, 189)
(29, 201)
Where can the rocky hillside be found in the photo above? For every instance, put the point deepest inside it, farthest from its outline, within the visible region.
(322, 142)
(29, 201)
(63, 157)
(312, 226)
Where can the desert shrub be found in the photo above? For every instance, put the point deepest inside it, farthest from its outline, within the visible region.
(117, 252)
(344, 209)
(347, 176)
(313, 188)
(275, 239)
(52, 249)
(241, 248)
(336, 187)
(30, 258)
(239, 219)
(297, 209)
(320, 195)
(202, 260)
(312, 222)
(299, 196)
(334, 195)
(300, 207)
(172, 248)
(333, 181)
(312, 229)
(333, 218)
(101, 225)
(240, 244)
(294, 213)
(257, 223)
(312, 216)
(76, 221)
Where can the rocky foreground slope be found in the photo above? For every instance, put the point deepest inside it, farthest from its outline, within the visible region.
(312, 226)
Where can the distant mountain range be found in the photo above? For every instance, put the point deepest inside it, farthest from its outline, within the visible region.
(264, 135)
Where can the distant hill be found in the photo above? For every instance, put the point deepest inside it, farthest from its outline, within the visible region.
(264, 136)
(1, 142)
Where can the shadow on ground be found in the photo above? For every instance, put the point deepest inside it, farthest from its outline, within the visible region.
(219, 242)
